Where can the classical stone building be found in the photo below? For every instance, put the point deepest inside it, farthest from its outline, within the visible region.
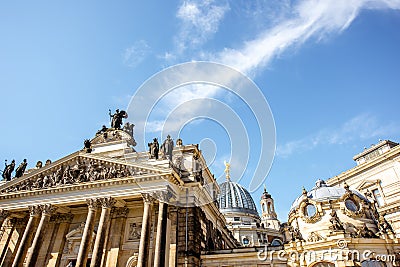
(377, 176)
(109, 205)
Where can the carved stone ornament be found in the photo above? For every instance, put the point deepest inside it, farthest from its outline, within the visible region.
(4, 214)
(92, 203)
(35, 211)
(310, 218)
(315, 237)
(163, 196)
(147, 198)
(107, 202)
(76, 171)
(352, 205)
(120, 212)
(48, 209)
(134, 231)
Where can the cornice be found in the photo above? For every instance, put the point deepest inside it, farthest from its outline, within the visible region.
(84, 186)
(395, 151)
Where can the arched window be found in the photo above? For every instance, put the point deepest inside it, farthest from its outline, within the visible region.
(323, 264)
(263, 208)
(269, 207)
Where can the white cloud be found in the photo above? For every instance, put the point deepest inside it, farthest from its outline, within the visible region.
(136, 53)
(200, 21)
(308, 19)
(361, 127)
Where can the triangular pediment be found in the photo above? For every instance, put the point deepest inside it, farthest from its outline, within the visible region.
(78, 168)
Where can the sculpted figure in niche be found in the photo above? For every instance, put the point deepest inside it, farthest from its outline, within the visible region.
(21, 169)
(8, 170)
(167, 147)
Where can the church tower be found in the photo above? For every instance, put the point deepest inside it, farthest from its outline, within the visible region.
(268, 217)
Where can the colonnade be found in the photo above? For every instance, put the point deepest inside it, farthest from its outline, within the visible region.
(40, 215)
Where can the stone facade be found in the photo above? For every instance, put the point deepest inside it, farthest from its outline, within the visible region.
(108, 205)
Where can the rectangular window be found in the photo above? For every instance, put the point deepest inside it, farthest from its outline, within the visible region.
(236, 219)
(378, 197)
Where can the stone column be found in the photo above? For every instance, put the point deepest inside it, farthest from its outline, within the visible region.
(3, 215)
(47, 210)
(145, 233)
(87, 233)
(106, 204)
(159, 256)
(27, 236)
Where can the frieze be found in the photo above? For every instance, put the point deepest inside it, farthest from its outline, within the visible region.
(80, 171)
(62, 218)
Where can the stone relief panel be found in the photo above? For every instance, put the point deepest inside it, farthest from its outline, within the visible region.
(133, 230)
(78, 171)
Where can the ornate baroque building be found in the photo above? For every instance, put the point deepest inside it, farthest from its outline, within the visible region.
(108, 205)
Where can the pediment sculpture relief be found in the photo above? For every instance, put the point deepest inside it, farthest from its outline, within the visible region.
(82, 170)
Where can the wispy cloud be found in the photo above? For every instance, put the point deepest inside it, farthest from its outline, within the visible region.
(361, 127)
(200, 20)
(136, 53)
(308, 19)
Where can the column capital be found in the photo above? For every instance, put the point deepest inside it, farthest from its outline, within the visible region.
(4, 214)
(35, 211)
(147, 198)
(107, 202)
(48, 209)
(92, 203)
(120, 212)
(163, 196)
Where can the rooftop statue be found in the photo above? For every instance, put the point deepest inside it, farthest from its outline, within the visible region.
(154, 149)
(116, 118)
(21, 169)
(167, 147)
(8, 170)
(128, 128)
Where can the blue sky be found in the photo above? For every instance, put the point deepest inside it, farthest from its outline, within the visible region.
(328, 69)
